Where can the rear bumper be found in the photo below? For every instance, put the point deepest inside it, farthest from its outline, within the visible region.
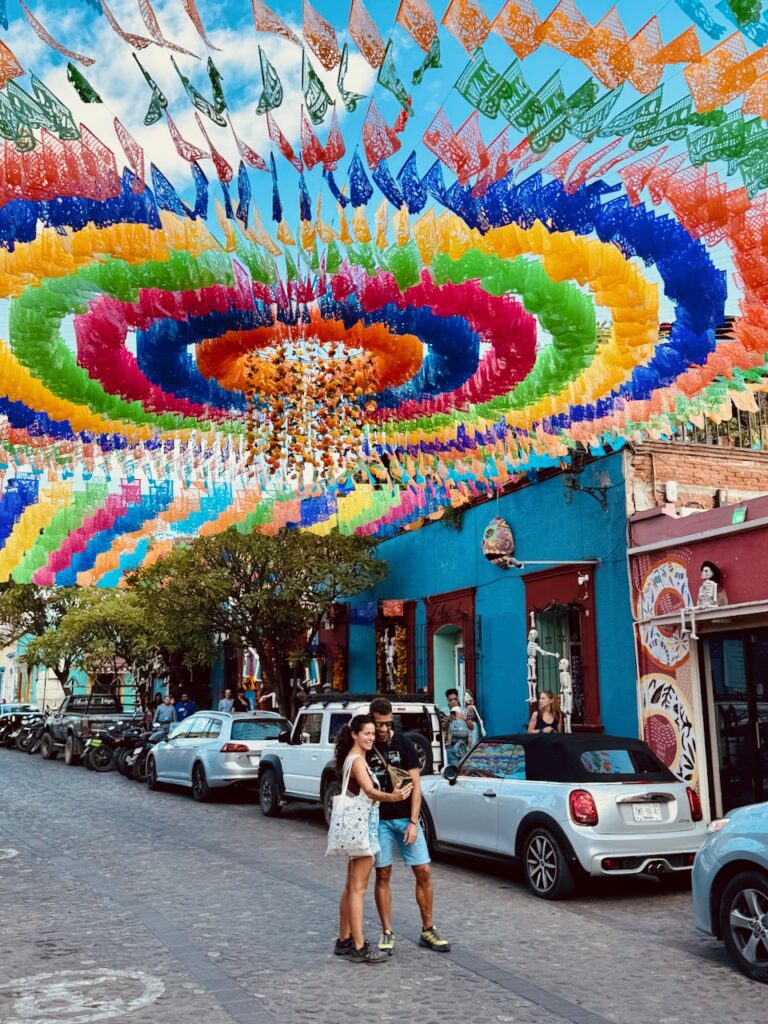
(661, 853)
(233, 772)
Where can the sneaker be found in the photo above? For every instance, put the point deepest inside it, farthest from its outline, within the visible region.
(387, 942)
(432, 940)
(343, 947)
(368, 955)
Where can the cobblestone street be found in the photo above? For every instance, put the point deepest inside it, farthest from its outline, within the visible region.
(121, 904)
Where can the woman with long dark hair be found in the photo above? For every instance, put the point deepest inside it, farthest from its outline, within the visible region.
(352, 745)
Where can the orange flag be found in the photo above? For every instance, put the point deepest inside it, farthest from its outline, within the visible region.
(417, 19)
(518, 25)
(466, 20)
(266, 21)
(365, 34)
(9, 66)
(321, 38)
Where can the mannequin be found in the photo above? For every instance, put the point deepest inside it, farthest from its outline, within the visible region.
(566, 694)
(532, 650)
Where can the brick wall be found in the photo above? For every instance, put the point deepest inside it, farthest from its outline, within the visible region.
(699, 471)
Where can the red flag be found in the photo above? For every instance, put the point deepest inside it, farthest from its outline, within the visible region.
(400, 121)
(185, 149)
(46, 37)
(250, 156)
(466, 20)
(498, 163)
(311, 151)
(282, 143)
(223, 169)
(417, 19)
(321, 38)
(194, 16)
(366, 36)
(379, 141)
(149, 18)
(137, 42)
(266, 21)
(440, 139)
(334, 147)
(471, 141)
(134, 154)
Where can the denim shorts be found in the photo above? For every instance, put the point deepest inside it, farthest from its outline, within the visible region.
(391, 832)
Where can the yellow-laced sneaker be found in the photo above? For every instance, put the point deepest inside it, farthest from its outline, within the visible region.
(432, 940)
(387, 942)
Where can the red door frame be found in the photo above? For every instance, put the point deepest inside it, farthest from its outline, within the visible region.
(456, 608)
(561, 586)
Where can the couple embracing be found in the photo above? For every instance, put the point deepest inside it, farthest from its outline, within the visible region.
(382, 766)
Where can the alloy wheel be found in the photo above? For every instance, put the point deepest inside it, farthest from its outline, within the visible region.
(541, 863)
(748, 920)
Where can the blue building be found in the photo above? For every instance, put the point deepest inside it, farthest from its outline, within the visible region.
(446, 616)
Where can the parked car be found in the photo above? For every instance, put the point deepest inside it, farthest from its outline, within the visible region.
(730, 887)
(300, 766)
(78, 716)
(565, 807)
(213, 749)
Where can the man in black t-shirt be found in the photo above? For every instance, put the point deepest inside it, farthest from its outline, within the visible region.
(399, 826)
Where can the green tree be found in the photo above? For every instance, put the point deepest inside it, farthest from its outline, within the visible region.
(29, 610)
(268, 593)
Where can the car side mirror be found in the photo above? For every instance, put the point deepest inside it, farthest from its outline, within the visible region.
(451, 773)
(284, 736)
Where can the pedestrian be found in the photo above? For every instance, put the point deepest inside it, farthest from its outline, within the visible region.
(546, 719)
(353, 743)
(392, 754)
(185, 707)
(457, 729)
(165, 712)
(473, 716)
(240, 702)
(226, 703)
(157, 700)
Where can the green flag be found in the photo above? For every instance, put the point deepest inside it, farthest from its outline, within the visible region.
(158, 103)
(219, 99)
(636, 118)
(57, 112)
(431, 60)
(290, 266)
(587, 125)
(389, 78)
(316, 95)
(272, 94)
(12, 127)
(349, 99)
(82, 86)
(199, 101)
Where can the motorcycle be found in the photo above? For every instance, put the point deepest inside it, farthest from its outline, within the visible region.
(30, 737)
(98, 754)
(126, 743)
(136, 762)
(13, 730)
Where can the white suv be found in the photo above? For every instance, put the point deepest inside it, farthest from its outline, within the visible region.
(301, 765)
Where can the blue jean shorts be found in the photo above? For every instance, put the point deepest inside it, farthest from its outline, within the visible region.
(393, 832)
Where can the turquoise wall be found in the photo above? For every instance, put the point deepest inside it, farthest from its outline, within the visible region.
(549, 523)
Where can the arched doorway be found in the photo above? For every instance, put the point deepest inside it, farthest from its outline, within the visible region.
(448, 662)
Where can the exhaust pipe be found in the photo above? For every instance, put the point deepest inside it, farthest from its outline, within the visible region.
(656, 867)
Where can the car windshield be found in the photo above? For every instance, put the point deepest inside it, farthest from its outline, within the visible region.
(259, 728)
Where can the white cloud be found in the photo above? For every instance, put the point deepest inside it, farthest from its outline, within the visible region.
(118, 80)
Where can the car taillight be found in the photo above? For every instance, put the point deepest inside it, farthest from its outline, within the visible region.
(695, 804)
(583, 807)
(235, 748)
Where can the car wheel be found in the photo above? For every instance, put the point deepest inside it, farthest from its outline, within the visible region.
(269, 798)
(151, 778)
(48, 751)
(744, 923)
(428, 828)
(71, 751)
(546, 869)
(424, 750)
(331, 791)
(201, 791)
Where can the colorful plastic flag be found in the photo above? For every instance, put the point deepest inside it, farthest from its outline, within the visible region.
(316, 95)
(389, 79)
(362, 28)
(349, 99)
(272, 91)
(417, 19)
(321, 37)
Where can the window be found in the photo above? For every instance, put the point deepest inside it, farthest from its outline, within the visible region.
(337, 720)
(515, 768)
(308, 728)
(179, 729)
(414, 721)
(490, 760)
(213, 728)
(198, 725)
(619, 762)
(259, 729)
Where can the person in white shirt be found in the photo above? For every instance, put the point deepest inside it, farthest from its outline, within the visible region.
(227, 701)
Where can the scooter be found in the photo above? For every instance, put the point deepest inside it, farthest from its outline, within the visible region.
(31, 734)
(136, 763)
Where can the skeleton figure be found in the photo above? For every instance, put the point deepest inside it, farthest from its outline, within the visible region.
(708, 596)
(532, 650)
(390, 657)
(566, 694)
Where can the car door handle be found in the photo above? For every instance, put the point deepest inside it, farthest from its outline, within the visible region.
(489, 792)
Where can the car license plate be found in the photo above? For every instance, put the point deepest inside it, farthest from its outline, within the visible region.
(646, 812)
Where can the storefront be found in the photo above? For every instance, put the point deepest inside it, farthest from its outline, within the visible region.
(700, 597)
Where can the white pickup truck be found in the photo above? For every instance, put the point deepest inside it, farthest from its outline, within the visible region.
(300, 765)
